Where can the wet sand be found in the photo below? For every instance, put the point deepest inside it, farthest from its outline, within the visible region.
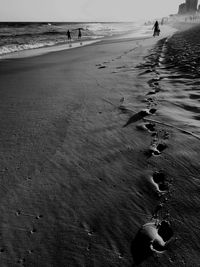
(97, 166)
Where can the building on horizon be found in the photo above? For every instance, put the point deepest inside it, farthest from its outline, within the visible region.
(189, 7)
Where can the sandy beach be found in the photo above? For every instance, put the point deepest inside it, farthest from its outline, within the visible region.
(99, 157)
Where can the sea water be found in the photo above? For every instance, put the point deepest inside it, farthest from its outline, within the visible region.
(26, 36)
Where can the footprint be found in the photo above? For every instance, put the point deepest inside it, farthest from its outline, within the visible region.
(33, 231)
(156, 149)
(39, 217)
(151, 127)
(154, 236)
(158, 235)
(159, 180)
(89, 247)
(161, 147)
(163, 237)
(147, 127)
(152, 111)
(18, 213)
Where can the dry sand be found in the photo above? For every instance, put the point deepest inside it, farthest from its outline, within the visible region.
(86, 178)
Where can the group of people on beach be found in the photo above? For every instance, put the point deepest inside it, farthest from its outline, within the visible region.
(69, 34)
(156, 32)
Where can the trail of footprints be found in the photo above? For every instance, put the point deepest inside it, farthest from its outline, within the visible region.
(155, 235)
(31, 231)
(124, 67)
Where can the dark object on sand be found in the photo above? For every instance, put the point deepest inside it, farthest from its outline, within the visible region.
(138, 116)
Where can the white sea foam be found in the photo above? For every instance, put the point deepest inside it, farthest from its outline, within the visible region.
(45, 50)
(17, 47)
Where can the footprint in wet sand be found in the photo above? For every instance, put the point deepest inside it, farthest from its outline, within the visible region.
(159, 233)
(156, 149)
(159, 180)
(18, 213)
(152, 111)
(154, 236)
(33, 231)
(39, 217)
(150, 127)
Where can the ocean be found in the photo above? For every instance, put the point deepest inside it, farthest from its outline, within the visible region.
(16, 36)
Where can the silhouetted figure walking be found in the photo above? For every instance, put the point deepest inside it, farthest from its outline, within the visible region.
(69, 35)
(156, 29)
(79, 33)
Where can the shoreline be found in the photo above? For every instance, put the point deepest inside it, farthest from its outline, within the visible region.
(46, 49)
(71, 45)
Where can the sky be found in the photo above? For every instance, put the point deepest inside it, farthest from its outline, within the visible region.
(86, 10)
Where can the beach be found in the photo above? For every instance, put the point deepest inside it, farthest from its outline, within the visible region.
(97, 147)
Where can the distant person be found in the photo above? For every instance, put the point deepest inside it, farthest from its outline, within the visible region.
(69, 35)
(156, 29)
(79, 33)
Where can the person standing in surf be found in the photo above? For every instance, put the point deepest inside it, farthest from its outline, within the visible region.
(156, 29)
